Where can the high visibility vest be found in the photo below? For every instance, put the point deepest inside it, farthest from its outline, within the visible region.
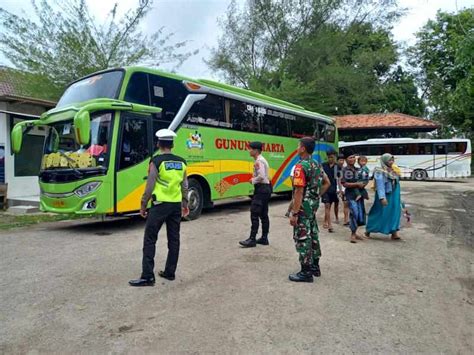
(171, 173)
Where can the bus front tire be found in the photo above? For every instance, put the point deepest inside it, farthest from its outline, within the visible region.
(419, 175)
(195, 199)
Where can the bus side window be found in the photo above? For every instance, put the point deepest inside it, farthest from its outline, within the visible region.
(362, 150)
(168, 94)
(157, 124)
(320, 131)
(209, 112)
(302, 127)
(399, 149)
(376, 150)
(331, 134)
(134, 147)
(275, 123)
(457, 147)
(440, 149)
(137, 89)
(425, 149)
(244, 117)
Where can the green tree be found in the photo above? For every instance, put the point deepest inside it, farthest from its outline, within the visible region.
(66, 42)
(443, 61)
(331, 56)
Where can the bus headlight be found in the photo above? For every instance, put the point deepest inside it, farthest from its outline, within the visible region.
(86, 189)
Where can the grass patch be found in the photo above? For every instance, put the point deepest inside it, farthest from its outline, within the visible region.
(8, 221)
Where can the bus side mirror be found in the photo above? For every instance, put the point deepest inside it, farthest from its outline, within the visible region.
(17, 134)
(82, 127)
(17, 138)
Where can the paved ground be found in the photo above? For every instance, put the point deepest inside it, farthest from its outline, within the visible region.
(64, 286)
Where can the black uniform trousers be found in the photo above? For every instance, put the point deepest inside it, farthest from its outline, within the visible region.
(259, 209)
(169, 213)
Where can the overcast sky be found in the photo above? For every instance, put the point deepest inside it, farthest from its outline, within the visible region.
(196, 21)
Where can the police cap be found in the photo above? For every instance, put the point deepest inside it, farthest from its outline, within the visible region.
(256, 145)
(165, 135)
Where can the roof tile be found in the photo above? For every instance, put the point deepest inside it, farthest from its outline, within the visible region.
(383, 120)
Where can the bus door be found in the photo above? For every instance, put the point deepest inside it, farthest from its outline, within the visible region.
(134, 149)
(440, 160)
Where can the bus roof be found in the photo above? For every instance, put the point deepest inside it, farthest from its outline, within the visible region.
(220, 88)
(400, 140)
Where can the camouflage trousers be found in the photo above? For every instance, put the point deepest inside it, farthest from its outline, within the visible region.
(306, 236)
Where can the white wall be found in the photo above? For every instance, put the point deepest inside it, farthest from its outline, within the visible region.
(22, 186)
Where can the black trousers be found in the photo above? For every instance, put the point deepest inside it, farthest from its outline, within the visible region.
(259, 209)
(169, 213)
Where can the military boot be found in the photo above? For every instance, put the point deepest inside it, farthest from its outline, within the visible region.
(305, 275)
(248, 243)
(315, 268)
(263, 240)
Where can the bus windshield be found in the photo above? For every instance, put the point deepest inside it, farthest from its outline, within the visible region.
(62, 152)
(104, 85)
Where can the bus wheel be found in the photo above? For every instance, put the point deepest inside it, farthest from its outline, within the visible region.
(195, 199)
(419, 175)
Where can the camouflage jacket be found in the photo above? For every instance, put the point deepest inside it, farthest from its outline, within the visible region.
(309, 174)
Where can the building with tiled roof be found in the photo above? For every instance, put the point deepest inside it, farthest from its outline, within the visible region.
(20, 171)
(363, 126)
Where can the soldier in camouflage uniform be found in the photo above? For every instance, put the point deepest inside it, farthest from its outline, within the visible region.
(309, 182)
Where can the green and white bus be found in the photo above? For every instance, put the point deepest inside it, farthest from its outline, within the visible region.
(100, 138)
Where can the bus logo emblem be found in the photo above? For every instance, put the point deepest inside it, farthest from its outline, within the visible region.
(195, 141)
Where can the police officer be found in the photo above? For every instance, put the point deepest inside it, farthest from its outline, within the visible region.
(260, 199)
(309, 182)
(167, 187)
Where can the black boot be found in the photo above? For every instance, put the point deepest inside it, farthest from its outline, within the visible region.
(263, 240)
(248, 243)
(315, 268)
(305, 275)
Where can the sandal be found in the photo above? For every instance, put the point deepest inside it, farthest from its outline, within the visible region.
(353, 240)
(325, 226)
(331, 230)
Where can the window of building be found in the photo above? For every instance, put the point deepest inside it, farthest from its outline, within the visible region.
(28, 161)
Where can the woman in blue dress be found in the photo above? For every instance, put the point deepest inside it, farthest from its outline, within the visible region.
(384, 216)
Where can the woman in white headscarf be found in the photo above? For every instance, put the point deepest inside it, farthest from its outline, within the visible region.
(384, 216)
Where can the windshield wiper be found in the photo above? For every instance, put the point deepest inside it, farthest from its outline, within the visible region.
(68, 159)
